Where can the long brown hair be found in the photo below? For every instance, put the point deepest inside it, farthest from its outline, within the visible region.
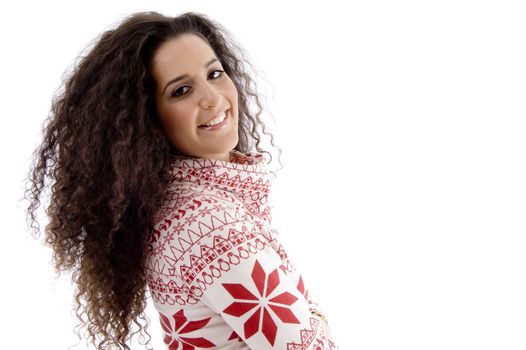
(105, 153)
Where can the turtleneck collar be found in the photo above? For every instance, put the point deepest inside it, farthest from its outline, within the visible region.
(245, 175)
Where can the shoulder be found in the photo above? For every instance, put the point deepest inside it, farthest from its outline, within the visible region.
(206, 230)
(195, 214)
(186, 198)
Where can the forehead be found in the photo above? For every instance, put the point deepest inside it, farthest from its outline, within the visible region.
(180, 55)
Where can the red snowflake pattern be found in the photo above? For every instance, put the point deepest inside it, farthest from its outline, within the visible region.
(266, 284)
(173, 337)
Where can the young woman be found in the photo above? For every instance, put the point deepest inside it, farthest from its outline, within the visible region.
(160, 185)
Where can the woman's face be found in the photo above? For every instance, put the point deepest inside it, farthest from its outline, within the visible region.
(191, 90)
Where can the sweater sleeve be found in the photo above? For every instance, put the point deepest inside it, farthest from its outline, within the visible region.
(234, 270)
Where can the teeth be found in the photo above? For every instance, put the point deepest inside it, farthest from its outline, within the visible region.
(217, 120)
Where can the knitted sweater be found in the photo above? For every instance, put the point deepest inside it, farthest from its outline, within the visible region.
(217, 274)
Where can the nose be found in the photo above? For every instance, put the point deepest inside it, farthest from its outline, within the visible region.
(210, 96)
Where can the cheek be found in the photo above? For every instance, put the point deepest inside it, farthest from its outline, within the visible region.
(232, 91)
(176, 120)
(235, 95)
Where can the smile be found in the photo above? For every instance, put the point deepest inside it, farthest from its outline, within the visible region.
(220, 121)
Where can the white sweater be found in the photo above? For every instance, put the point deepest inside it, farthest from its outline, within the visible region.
(216, 271)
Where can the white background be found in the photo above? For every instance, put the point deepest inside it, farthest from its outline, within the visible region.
(402, 125)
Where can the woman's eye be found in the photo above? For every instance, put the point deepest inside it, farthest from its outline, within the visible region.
(219, 70)
(179, 92)
(175, 92)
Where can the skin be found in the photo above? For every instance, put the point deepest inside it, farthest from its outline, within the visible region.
(198, 98)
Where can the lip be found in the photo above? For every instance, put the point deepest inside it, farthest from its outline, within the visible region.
(213, 117)
(217, 126)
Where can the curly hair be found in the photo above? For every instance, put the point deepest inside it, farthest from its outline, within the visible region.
(104, 151)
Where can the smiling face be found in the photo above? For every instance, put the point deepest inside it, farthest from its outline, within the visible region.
(191, 89)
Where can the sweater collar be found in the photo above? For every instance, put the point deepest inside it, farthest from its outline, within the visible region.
(245, 175)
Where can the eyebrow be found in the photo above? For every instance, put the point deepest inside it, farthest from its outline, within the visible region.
(186, 75)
